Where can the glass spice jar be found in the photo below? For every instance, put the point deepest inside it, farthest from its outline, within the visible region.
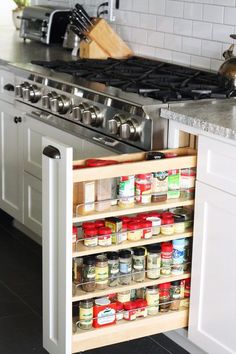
(134, 231)
(153, 261)
(166, 258)
(146, 226)
(126, 191)
(164, 297)
(178, 256)
(130, 311)
(104, 236)
(77, 270)
(124, 296)
(90, 237)
(143, 188)
(113, 268)
(152, 297)
(74, 238)
(125, 266)
(139, 264)
(156, 223)
(119, 311)
(101, 272)
(167, 226)
(175, 295)
(88, 274)
(159, 186)
(179, 224)
(86, 314)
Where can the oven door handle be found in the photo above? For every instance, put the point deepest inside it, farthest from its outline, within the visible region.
(52, 152)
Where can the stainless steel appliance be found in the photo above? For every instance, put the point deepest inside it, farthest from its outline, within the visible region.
(114, 103)
(46, 24)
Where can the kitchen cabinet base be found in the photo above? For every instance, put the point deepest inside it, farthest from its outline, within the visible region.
(128, 330)
(27, 232)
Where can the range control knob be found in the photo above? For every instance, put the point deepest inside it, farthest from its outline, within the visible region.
(92, 116)
(21, 88)
(77, 111)
(46, 99)
(115, 123)
(60, 104)
(129, 130)
(34, 94)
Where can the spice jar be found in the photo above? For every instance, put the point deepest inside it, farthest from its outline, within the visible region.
(152, 297)
(124, 296)
(86, 314)
(88, 225)
(86, 193)
(125, 266)
(123, 234)
(134, 231)
(143, 188)
(77, 270)
(126, 191)
(113, 268)
(99, 223)
(139, 264)
(146, 226)
(159, 186)
(179, 224)
(164, 297)
(119, 311)
(88, 274)
(187, 178)
(74, 238)
(167, 226)
(130, 311)
(187, 253)
(104, 236)
(156, 224)
(175, 295)
(141, 308)
(90, 237)
(166, 258)
(173, 184)
(153, 261)
(178, 256)
(103, 194)
(101, 271)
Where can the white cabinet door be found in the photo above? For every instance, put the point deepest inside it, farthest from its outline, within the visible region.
(7, 85)
(212, 319)
(11, 160)
(33, 203)
(34, 130)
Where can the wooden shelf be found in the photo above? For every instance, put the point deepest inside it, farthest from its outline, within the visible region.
(86, 251)
(118, 211)
(82, 295)
(128, 330)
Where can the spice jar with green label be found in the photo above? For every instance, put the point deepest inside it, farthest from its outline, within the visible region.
(101, 272)
(88, 274)
(85, 314)
(113, 268)
(139, 264)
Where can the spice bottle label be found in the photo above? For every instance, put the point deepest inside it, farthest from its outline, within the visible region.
(125, 267)
(86, 316)
(90, 273)
(152, 299)
(114, 268)
(101, 275)
(138, 264)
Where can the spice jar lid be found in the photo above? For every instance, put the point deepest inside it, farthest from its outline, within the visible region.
(166, 247)
(140, 303)
(90, 232)
(125, 254)
(124, 226)
(154, 220)
(154, 248)
(146, 223)
(179, 218)
(139, 251)
(98, 163)
(112, 256)
(74, 230)
(167, 214)
(179, 242)
(169, 155)
(152, 287)
(164, 286)
(125, 218)
(175, 283)
(154, 155)
(104, 231)
(167, 221)
(88, 225)
(126, 178)
(143, 216)
(89, 261)
(154, 214)
(102, 301)
(144, 175)
(99, 223)
(119, 306)
(101, 258)
(134, 226)
(129, 305)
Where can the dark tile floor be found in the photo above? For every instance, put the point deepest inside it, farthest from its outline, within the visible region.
(21, 302)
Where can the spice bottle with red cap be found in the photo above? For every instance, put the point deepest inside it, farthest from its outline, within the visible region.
(90, 237)
(164, 297)
(104, 236)
(143, 188)
(126, 191)
(166, 258)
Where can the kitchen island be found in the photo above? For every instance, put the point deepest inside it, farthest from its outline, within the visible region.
(215, 198)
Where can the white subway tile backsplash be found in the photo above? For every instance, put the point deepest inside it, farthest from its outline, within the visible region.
(181, 58)
(202, 29)
(174, 8)
(183, 27)
(140, 5)
(148, 21)
(157, 7)
(213, 13)
(230, 16)
(165, 24)
(221, 32)
(200, 62)
(146, 50)
(155, 39)
(173, 42)
(192, 46)
(163, 54)
(138, 36)
(211, 49)
(193, 11)
(126, 4)
(215, 64)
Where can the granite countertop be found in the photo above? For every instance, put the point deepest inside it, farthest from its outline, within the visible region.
(217, 117)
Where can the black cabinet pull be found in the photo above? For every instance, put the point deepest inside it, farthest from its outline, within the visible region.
(52, 152)
(9, 87)
(17, 120)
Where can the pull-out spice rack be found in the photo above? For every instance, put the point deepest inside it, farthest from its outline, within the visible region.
(129, 164)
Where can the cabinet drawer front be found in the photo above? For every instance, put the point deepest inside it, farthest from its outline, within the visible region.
(217, 164)
(6, 91)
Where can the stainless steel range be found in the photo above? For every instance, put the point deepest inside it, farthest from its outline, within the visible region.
(113, 102)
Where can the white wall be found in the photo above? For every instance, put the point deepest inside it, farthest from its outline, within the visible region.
(193, 32)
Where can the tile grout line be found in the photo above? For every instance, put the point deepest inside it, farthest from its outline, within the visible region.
(154, 341)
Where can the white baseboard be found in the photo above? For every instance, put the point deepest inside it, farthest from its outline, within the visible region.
(27, 232)
(180, 337)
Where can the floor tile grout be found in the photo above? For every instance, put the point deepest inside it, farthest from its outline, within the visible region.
(156, 342)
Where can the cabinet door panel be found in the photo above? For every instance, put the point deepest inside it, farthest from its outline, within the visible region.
(11, 163)
(212, 312)
(33, 203)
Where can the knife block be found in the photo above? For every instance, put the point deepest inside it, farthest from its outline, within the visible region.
(104, 42)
